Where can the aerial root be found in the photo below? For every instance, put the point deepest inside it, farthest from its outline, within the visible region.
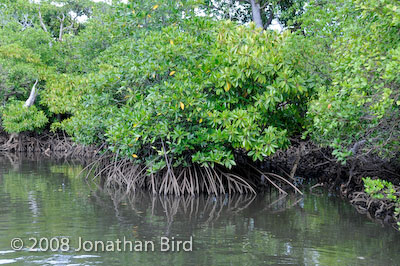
(378, 208)
(270, 176)
(191, 180)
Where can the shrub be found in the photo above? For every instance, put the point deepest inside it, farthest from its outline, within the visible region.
(360, 102)
(379, 189)
(383, 190)
(202, 90)
(17, 118)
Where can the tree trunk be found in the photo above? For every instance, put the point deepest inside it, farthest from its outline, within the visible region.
(256, 11)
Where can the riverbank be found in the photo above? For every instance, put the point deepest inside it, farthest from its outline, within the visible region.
(57, 145)
(322, 170)
(303, 164)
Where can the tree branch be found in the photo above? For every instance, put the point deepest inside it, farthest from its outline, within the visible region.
(61, 27)
(265, 5)
(71, 27)
(32, 96)
(41, 21)
(270, 18)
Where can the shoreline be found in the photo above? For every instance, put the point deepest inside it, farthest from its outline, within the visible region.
(303, 162)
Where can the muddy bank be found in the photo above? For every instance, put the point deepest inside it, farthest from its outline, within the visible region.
(57, 145)
(304, 163)
(316, 166)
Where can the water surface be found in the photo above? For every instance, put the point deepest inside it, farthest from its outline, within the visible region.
(43, 198)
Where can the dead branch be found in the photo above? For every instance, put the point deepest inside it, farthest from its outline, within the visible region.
(60, 35)
(41, 21)
(32, 96)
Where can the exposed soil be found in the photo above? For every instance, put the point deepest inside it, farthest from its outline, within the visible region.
(49, 144)
(316, 166)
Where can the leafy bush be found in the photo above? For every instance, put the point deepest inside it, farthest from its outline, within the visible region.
(17, 118)
(88, 124)
(383, 190)
(201, 90)
(379, 189)
(19, 66)
(63, 92)
(359, 102)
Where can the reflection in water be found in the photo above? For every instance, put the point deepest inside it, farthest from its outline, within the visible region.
(43, 198)
(199, 209)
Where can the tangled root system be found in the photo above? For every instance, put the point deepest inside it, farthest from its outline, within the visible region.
(49, 144)
(123, 173)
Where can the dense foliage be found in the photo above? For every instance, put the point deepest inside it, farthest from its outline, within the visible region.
(357, 110)
(205, 89)
(159, 82)
(17, 118)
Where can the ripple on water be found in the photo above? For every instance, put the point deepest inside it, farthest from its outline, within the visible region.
(7, 261)
(85, 256)
(6, 251)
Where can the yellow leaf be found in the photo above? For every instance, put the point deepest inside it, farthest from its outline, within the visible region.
(201, 120)
(182, 105)
(172, 73)
(133, 11)
(134, 156)
(171, 42)
(137, 138)
(227, 86)
(154, 76)
(148, 16)
(130, 145)
(135, 125)
(155, 7)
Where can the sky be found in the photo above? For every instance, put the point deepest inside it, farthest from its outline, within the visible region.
(274, 25)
